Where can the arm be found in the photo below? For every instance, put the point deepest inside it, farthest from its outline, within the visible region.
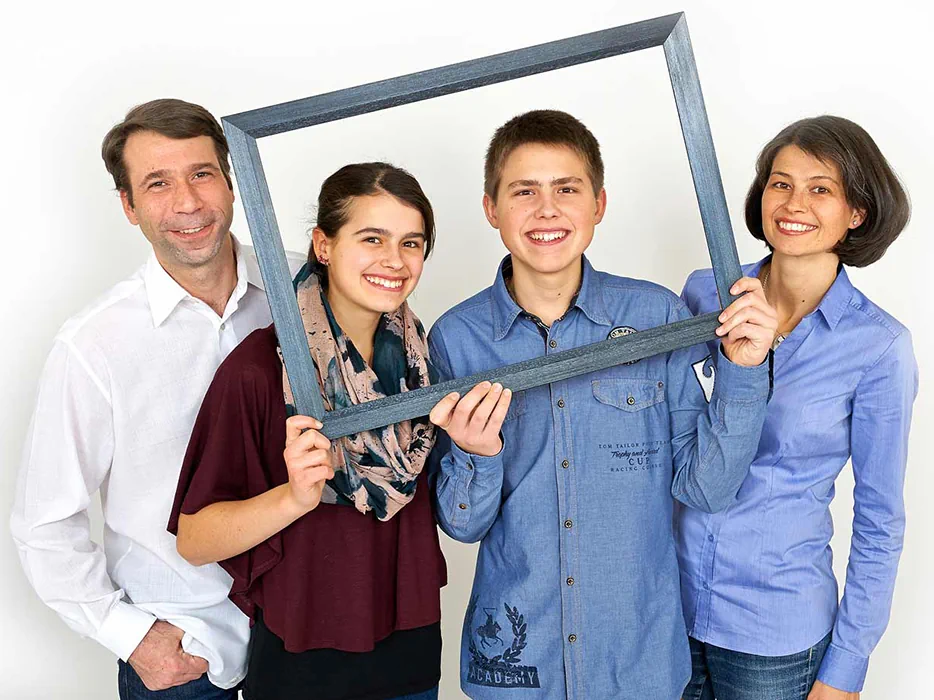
(466, 463)
(67, 456)
(223, 530)
(879, 447)
(714, 444)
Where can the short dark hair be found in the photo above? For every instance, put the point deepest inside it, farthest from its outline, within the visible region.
(545, 126)
(362, 180)
(175, 119)
(869, 183)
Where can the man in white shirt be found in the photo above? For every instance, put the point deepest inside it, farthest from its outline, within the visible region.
(117, 401)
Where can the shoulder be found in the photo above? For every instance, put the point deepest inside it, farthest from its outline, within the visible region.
(865, 312)
(469, 312)
(653, 300)
(112, 316)
(254, 362)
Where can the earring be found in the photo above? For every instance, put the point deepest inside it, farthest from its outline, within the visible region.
(323, 260)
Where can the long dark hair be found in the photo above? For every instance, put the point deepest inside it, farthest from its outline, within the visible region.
(361, 180)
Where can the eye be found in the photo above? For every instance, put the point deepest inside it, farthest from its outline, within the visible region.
(200, 175)
(567, 189)
(157, 184)
(519, 193)
(781, 185)
(372, 239)
(821, 190)
(414, 244)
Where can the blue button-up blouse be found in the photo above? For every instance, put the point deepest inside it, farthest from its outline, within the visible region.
(757, 577)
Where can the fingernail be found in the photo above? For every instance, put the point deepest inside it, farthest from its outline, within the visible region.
(497, 387)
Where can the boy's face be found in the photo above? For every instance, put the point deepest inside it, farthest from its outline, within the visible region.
(545, 208)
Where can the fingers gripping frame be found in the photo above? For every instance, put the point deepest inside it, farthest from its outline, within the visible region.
(670, 32)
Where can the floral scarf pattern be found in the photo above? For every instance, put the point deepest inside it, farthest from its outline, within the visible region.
(374, 470)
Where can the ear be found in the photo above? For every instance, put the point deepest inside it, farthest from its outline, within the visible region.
(859, 216)
(489, 208)
(128, 208)
(320, 244)
(601, 206)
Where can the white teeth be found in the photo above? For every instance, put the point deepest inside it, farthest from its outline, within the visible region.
(548, 236)
(388, 284)
(787, 226)
(191, 230)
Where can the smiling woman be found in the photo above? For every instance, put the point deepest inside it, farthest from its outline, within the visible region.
(253, 507)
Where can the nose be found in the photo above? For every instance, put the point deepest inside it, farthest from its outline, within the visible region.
(547, 206)
(797, 201)
(186, 199)
(393, 258)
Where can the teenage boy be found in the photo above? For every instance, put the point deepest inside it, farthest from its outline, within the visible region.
(569, 486)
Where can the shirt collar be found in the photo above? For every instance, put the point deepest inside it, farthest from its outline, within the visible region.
(835, 301)
(589, 299)
(165, 294)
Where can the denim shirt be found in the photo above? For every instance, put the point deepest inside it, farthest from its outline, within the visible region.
(758, 577)
(576, 592)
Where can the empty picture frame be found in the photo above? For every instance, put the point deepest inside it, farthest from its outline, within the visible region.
(670, 32)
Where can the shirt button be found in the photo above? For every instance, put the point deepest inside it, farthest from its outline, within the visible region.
(630, 401)
(661, 384)
(706, 586)
(710, 538)
(570, 581)
(560, 403)
(572, 638)
(462, 506)
(553, 344)
(568, 524)
(565, 464)
(223, 326)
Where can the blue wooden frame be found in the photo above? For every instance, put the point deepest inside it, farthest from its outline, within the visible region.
(670, 32)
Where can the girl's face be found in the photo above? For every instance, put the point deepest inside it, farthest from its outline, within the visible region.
(804, 207)
(377, 256)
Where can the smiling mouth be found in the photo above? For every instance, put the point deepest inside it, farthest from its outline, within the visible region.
(794, 227)
(193, 231)
(547, 237)
(391, 285)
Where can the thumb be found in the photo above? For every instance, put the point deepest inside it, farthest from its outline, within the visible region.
(196, 663)
(441, 414)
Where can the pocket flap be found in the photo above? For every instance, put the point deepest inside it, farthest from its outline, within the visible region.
(629, 394)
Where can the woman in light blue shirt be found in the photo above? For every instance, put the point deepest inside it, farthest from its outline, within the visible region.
(759, 593)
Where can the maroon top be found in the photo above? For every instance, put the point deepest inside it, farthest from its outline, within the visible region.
(335, 578)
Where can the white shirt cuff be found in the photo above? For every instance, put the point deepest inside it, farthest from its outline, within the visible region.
(124, 628)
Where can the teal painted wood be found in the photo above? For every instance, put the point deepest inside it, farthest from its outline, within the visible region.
(702, 156)
(244, 128)
(526, 375)
(274, 267)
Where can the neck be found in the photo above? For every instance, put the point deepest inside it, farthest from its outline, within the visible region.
(546, 295)
(357, 324)
(796, 285)
(213, 282)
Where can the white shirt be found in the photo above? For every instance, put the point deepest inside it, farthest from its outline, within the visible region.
(117, 401)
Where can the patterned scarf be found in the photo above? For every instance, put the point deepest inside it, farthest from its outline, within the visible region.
(375, 470)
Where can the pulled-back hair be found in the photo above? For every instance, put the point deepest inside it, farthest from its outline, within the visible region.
(869, 184)
(363, 180)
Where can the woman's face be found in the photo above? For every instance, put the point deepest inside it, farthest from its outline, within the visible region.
(804, 209)
(377, 256)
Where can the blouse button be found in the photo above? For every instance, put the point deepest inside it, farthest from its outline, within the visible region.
(462, 506)
(560, 403)
(631, 401)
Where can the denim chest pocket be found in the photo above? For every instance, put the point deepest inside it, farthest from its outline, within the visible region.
(629, 395)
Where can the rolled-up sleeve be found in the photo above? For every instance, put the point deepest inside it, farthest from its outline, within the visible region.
(882, 406)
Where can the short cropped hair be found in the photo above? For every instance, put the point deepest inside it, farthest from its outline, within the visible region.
(869, 183)
(175, 119)
(545, 126)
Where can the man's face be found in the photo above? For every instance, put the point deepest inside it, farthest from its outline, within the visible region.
(545, 208)
(181, 200)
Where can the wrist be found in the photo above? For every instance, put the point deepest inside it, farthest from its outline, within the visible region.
(288, 506)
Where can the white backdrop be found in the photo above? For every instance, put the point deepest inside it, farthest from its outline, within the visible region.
(70, 70)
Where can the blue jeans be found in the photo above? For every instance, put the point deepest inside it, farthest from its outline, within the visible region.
(731, 675)
(132, 688)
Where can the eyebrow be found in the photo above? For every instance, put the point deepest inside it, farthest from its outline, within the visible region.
(386, 232)
(160, 174)
(815, 177)
(570, 180)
